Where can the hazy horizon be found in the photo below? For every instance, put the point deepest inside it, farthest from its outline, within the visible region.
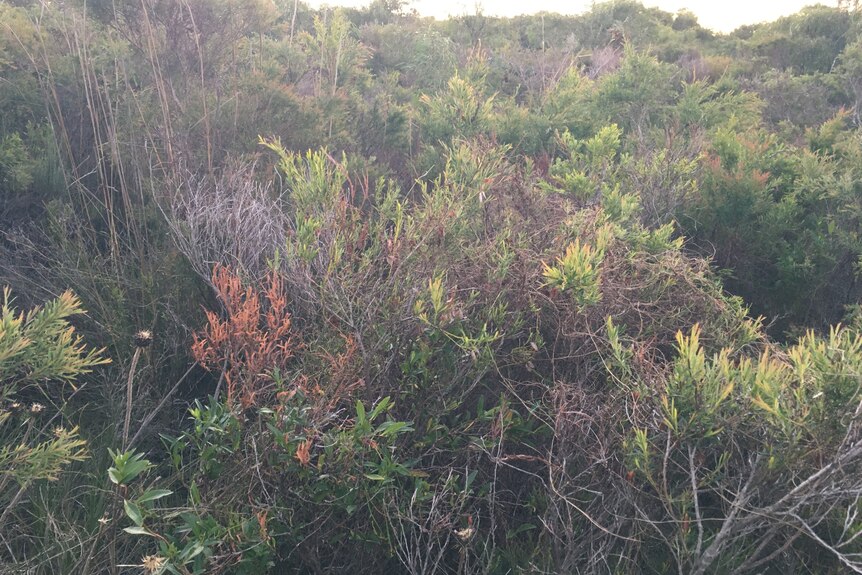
(723, 17)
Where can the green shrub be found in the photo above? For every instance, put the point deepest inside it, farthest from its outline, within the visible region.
(41, 356)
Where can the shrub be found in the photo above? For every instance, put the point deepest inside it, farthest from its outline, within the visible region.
(254, 337)
(41, 356)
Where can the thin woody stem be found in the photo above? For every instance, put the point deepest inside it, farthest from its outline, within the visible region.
(128, 419)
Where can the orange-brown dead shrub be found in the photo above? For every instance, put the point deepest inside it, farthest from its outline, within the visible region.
(251, 339)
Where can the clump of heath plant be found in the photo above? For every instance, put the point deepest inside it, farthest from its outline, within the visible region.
(41, 356)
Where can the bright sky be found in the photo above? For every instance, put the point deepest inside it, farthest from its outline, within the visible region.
(721, 15)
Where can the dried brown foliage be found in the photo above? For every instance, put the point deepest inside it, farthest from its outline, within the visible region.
(250, 339)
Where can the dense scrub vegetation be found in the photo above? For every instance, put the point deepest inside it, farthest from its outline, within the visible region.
(371, 293)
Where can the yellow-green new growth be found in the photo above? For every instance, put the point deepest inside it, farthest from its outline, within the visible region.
(41, 344)
(577, 273)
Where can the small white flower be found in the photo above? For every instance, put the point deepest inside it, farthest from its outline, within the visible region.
(465, 534)
(152, 563)
(143, 338)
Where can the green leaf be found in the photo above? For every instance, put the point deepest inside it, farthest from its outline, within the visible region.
(135, 530)
(375, 477)
(521, 529)
(389, 428)
(153, 494)
(468, 481)
(134, 512)
(194, 494)
(127, 466)
(360, 413)
(382, 406)
(192, 550)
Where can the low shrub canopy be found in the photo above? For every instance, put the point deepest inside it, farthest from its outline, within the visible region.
(383, 294)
